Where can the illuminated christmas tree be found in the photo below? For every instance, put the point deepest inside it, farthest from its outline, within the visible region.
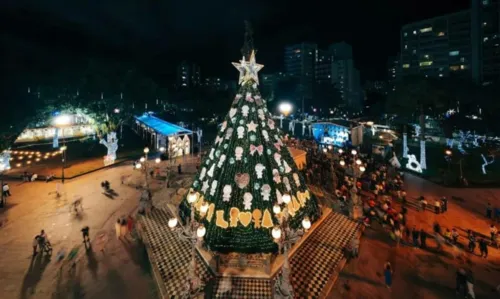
(248, 172)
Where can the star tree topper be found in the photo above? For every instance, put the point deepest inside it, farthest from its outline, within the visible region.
(248, 69)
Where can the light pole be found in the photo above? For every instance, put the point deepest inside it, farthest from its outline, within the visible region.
(61, 122)
(285, 237)
(285, 109)
(193, 233)
(144, 163)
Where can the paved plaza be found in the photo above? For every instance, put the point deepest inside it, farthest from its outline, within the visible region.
(428, 273)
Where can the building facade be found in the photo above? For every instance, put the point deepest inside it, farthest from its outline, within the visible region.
(323, 67)
(462, 44)
(300, 61)
(188, 75)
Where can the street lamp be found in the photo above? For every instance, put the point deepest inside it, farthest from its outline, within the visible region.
(61, 122)
(285, 237)
(341, 151)
(354, 152)
(193, 233)
(285, 109)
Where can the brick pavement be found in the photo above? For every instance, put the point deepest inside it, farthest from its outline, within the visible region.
(424, 273)
(121, 271)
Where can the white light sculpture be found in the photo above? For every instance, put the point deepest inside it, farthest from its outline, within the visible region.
(5, 160)
(112, 145)
(413, 164)
(486, 162)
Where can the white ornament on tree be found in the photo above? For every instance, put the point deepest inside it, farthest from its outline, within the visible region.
(221, 160)
(287, 184)
(214, 188)
(205, 186)
(252, 127)
(202, 173)
(223, 126)
(218, 140)
(211, 155)
(277, 158)
(260, 112)
(276, 176)
(232, 112)
(229, 133)
(288, 169)
(259, 168)
(241, 132)
(266, 135)
(211, 171)
(265, 192)
(226, 196)
(244, 110)
(247, 200)
(296, 179)
(279, 197)
(238, 152)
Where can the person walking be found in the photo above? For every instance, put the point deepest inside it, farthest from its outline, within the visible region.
(118, 228)
(489, 210)
(483, 247)
(35, 244)
(437, 206)
(461, 282)
(472, 242)
(493, 232)
(423, 238)
(85, 234)
(415, 235)
(6, 190)
(470, 284)
(388, 275)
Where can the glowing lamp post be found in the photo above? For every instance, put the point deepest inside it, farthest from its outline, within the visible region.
(193, 233)
(285, 109)
(61, 122)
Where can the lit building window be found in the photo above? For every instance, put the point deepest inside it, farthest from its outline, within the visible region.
(414, 51)
(486, 2)
(485, 39)
(426, 56)
(425, 63)
(405, 34)
(406, 66)
(462, 59)
(441, 33)
(454, 53)
(427, 29)
(297, 51)
(484, 23)
(414, 32)
(440, 75)
(462, 67)
(406, 46)
(454, 67)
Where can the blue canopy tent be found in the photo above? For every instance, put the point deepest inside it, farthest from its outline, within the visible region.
(165, 134)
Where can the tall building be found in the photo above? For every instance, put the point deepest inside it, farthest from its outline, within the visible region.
(344, 75)
(464, 44)
(188, 75)
(323, 67)
(300, 62)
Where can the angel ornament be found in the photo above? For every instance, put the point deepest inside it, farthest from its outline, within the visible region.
(211, 171)
(266, 135)
(211, 155)
(229, 133)
(287, 184)
(266, 192)
(226, 193)
(276, 176)
(214, 188)
(241, 132)
(288, 169)
(296, 179)
(260, 112)
(259, 168)
(223, 126)
(247, 200)
(221, 161)
(279, 197)
(202, 173)
(270, 123)
(277, 158)
(244, 110)
(238, 152)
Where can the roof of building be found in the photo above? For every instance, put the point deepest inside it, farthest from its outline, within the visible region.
(160, 126)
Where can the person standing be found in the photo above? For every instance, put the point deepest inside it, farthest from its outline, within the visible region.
(423, 238)
(483, 247)
(454, 235)
(461, 282)
(388, 275)
(489, 210)
(118, 226)
(6, 190)
(415, 236)
(437, 206)
(179, 169)
(35, 245)
(493, 232)
(444, 204)
(85, 235)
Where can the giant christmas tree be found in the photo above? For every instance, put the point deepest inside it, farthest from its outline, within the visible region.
(246, 173)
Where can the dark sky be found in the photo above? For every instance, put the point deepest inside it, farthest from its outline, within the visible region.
(156, 34)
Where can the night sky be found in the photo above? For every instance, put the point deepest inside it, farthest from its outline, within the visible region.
(156, 34)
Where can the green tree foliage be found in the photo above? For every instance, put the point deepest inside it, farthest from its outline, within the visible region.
(224, 167)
